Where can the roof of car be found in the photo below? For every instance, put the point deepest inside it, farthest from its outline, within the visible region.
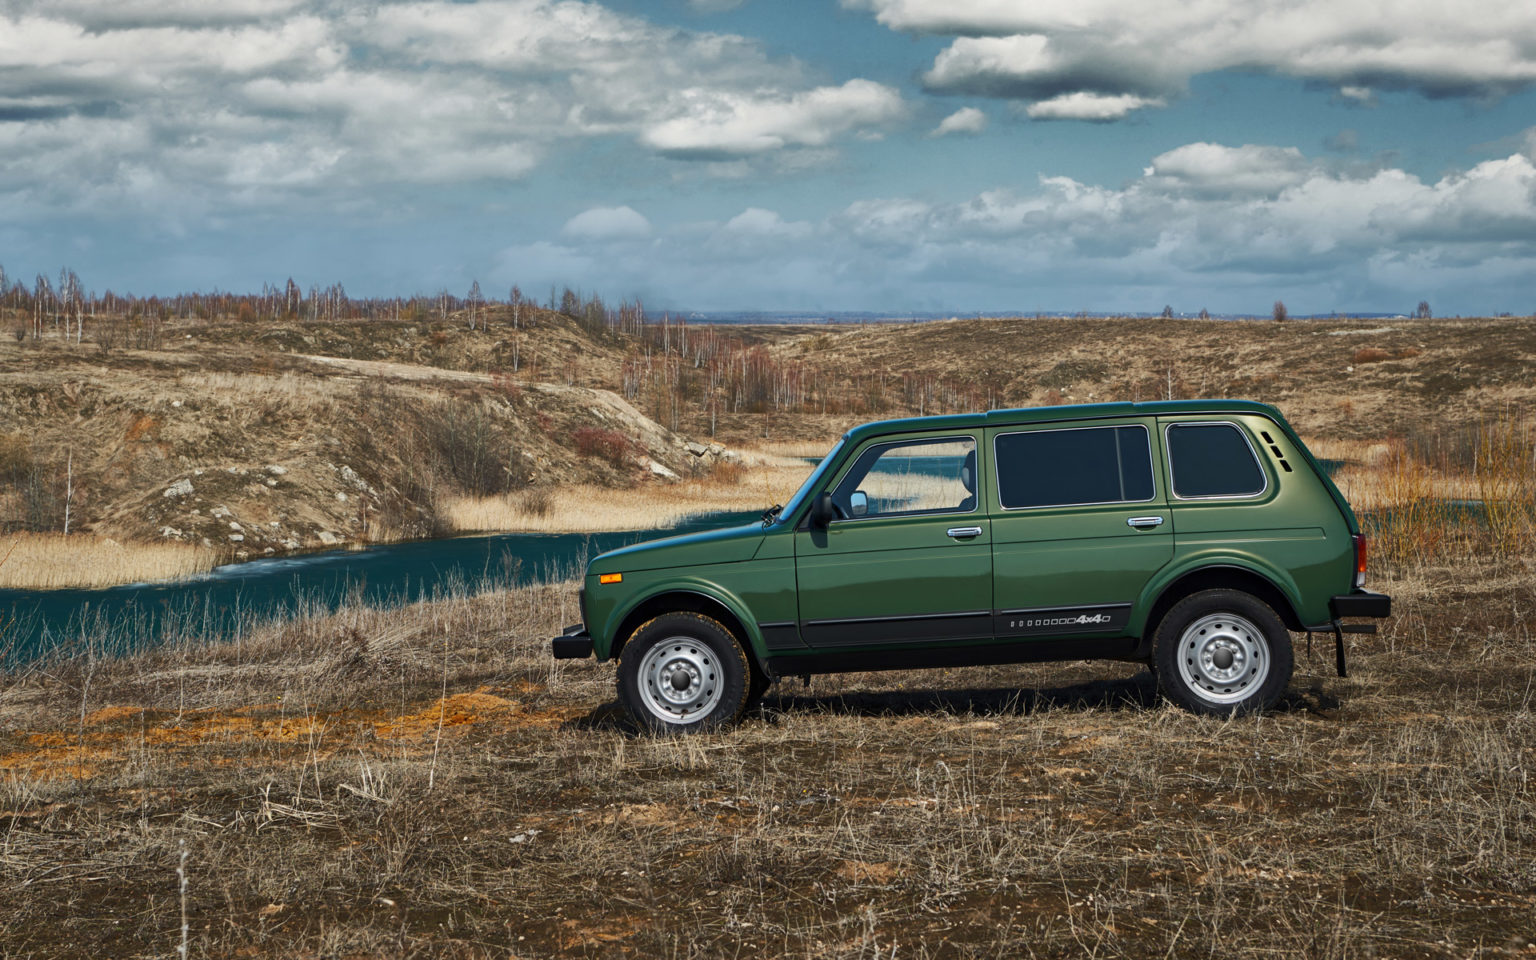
(1076, 411)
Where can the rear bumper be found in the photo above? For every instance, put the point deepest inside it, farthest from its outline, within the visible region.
(1360, 603)
(574, 644)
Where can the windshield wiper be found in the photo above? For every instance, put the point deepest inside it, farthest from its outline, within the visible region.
(772, 513)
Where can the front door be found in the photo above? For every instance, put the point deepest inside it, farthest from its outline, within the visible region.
(910, 558)
(1079, 527)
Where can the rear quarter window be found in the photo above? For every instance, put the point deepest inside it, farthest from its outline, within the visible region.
(1213, 460)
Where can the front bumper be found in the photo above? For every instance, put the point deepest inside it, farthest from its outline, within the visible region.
(574, 644)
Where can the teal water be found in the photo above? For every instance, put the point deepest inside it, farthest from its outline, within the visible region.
(220, 603)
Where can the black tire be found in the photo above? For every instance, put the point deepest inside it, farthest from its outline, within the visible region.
(1222, 653)
(683, 672)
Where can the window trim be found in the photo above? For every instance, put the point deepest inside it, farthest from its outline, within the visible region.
(997, 467)
(853, 461)
(1257, 460)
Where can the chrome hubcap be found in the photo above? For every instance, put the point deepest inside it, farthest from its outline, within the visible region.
(1223, 657)
(680, 680)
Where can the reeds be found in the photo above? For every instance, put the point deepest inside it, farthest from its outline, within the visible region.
(1428, 500)
(46, 561)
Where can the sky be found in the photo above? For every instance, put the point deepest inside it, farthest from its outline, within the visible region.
(783, 155)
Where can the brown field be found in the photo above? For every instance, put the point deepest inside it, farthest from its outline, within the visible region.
(427, 782)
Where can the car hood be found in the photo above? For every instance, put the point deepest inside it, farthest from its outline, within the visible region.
(730, 545)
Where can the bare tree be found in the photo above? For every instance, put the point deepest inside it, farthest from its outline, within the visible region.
(1281, 314)
(1423, 312)
(476, 300)
(1205, 314)
(1167, 313)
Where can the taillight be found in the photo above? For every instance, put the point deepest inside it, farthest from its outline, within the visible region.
(1360, 552)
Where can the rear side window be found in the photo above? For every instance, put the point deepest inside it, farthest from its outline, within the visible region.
(1057, 468)
(1212, 460)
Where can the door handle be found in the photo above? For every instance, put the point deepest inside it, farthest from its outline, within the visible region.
(963, 533)
(1144, 523)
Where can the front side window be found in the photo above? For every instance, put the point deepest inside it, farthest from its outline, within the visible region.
(911, 477)
(1058, 468)
(1212, 460)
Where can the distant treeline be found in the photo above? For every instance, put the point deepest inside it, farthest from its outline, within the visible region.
(66, 308)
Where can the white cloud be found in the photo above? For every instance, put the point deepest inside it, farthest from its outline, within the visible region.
(1089, 106)
(1360, 96)
(607, 223)
(1043, 50)
(715, 125)
(1243, 224)
(966, 120)
(1217, 170)
(177, 107)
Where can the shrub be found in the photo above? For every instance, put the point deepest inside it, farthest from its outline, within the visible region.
(728, 472)
(609, 445)
(472, 447)
(536, 501)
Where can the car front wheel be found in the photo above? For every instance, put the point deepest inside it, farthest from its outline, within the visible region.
(1223, 652)
(682, 672)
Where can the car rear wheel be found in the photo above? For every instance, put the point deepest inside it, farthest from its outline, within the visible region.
(682, 672)
(1223, 652)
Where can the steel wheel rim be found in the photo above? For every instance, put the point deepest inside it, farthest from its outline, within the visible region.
(1223, 658)
(681, 680)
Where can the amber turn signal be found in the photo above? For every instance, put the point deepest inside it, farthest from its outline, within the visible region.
(611, 578)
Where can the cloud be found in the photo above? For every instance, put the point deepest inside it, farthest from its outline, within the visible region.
(1042, 51)
(966, 120)
(714, 6)
(1357, 96)
(607, 223)
(1242, 225)
(1089, 106)
(716, 126)
(176, 107)
(1217, 170)
(757, 222)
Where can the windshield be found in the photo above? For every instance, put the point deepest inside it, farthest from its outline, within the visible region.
(812, 482)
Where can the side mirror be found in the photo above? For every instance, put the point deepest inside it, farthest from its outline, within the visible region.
(822, 512)
(858, 503)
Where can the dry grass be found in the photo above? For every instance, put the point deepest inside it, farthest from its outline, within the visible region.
(1425, 511)
(46, 561)
(427, 782)
(581, 508)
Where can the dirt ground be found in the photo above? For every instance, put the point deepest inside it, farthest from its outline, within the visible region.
(427, 782)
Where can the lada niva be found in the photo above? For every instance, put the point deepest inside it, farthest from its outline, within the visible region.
(1193, 536)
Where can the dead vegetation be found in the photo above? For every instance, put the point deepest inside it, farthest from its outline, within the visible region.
(427, 782)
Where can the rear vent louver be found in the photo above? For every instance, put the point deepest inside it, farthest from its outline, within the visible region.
(1276, 451)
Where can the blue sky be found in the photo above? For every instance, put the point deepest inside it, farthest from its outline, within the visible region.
(890, 155)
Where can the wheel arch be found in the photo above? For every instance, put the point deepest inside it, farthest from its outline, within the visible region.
(1218, 576)
(691, 599)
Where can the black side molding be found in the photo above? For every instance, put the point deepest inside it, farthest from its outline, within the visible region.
(574, 644)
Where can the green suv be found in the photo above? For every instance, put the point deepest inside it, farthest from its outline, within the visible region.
(1188, 535)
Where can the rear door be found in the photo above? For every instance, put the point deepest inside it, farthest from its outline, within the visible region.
(910, 560)
(1079, 525)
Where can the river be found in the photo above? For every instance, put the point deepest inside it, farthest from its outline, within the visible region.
(230, 598)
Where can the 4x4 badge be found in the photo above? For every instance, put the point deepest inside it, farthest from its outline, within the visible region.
(1085, 618)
